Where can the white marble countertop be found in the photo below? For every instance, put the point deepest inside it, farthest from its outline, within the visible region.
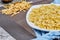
(5, 35)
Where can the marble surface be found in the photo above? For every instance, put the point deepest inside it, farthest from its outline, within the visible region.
(5, 35)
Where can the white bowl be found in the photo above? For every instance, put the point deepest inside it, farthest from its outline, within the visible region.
(32, 24)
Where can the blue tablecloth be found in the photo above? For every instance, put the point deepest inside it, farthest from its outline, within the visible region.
(42, 35)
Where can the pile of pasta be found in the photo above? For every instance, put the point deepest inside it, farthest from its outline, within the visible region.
(13, 8)
(46, 17)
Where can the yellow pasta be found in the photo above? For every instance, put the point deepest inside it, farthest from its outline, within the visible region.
(46, 17)
(14, 8)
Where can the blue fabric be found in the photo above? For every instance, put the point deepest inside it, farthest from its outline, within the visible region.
(56, 1)
(42, 35)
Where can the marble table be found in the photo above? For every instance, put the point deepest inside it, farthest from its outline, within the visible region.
(5, 35)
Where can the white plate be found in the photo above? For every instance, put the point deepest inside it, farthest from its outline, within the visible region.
(32, 24)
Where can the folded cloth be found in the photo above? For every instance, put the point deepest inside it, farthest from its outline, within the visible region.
(43, 35)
